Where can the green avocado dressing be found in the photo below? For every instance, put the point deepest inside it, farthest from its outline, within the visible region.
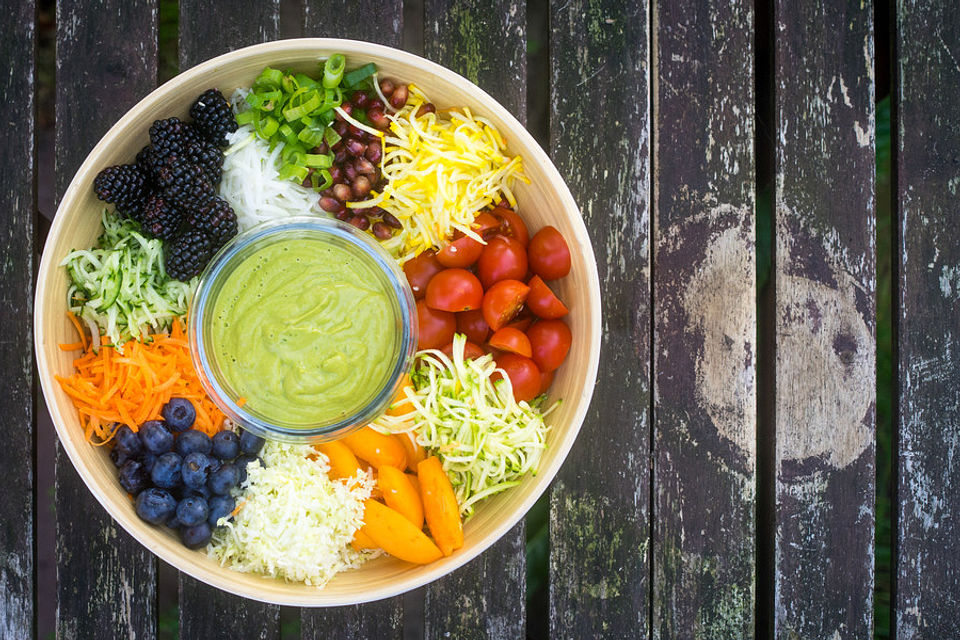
(304, 331)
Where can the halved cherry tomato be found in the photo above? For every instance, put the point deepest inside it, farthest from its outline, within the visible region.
(550, 341)
(485, 224)
(454, 290)
(502, 259)
(523, 373)
(543, 302)
(471, 324)
(549, 254)
(461, 252)
(511, 224)
(436, 327)
(546, 379)
(470, 350)
(502, 301)
(512, 341)
(420, 271)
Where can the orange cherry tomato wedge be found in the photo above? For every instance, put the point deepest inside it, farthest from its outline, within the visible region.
(544, 302)
(502, 301)
(512, 341)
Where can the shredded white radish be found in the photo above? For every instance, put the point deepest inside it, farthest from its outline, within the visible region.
(251, 182)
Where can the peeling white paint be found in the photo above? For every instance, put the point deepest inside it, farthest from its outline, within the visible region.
(720, 304)
(950, 281)
(864, 136)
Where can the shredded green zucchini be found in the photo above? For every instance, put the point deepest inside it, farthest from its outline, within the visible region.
(486, 440)
(120, 287)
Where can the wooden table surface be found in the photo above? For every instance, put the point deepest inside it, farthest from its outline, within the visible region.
(723, 485)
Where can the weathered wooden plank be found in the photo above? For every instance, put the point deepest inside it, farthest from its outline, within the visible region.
(928, 178)
(17, 199)
(380, 22)
(208, 29)
(704, 343)
(106, 581)
(600, 142)
(486, 43)
(825, 300)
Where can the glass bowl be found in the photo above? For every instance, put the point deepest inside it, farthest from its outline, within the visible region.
(302, 352)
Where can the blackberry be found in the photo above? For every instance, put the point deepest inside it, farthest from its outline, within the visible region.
(184, 183)
(213, 116)
(187, 256)
(167, 138)
(207, 156)
(215, 218)
(124, 185)
(160, 218)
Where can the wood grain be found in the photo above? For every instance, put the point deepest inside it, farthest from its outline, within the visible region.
(704, 300)
(106, 580)
(380, 22)
(207, 29)
(17, 209)
(928, 253)
(825, 308)
(486, 43)
(600, 142)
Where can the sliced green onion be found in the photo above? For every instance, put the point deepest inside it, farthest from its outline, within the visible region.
(246, 117)
(357, 76)
(318, 160)
(333, 70)
(292, 171)
(269, 78)
(310, 136)
(327, 180)
(331, 137)
(306, 106)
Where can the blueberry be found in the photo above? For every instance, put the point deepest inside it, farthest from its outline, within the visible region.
(166, 471)
(172, 521)
(179, 414)
(155, 505)
(148, 460)
(196, 468)
(224, 479)
(192, 440)
(133, 477)
(196, 537)
(155, 436)
(226, 445)
(119, 458)
(250, 443)
(220, 507)
(126, 441)
(202, 492)
(192, 511)
(242, 462)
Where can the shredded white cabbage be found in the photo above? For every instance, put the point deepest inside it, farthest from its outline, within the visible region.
(251, 182)
(486, 440)
(294, 522)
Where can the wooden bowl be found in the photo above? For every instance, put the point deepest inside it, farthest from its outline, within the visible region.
(546, 200)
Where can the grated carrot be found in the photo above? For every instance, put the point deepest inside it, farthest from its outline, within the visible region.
(109, 390)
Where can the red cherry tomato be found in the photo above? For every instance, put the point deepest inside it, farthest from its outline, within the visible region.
(522, 321)
(436, 327)
(550, 341)
(502, 301)
(420, 271)
(461, 252)
(472, 325)
(549, 254)
(485, 224)
(546, 379)
(454, 290)
(543, 302)
(512, 341)
(470, 350)
(523, 373)
(511, 224)
(502, 259)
